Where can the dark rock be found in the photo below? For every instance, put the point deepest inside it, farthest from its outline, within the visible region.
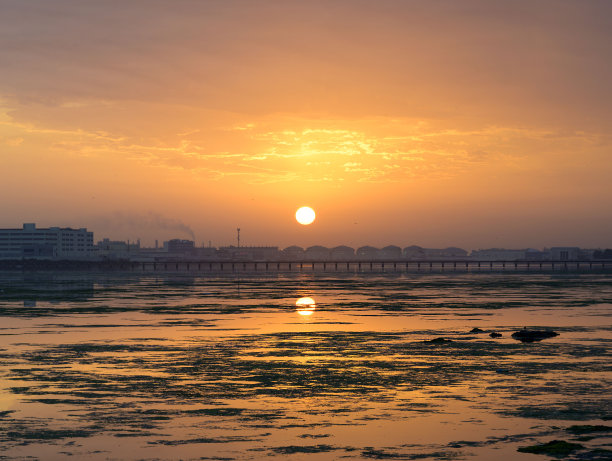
(476, 330)
(588, 429)
(529, 336)
(438, 341)
(552, 448)
(495, 334)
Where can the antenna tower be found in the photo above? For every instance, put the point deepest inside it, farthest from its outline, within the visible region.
(238, 229)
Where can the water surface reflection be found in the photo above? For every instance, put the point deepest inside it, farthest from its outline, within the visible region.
(219, 368)
(305, 306)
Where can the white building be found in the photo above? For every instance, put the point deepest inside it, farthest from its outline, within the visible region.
(31, 242)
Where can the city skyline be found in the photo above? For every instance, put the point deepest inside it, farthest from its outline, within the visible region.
(179, 231)
(441, 123)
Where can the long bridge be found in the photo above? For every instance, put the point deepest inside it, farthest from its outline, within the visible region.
(316, 266)
(372, 266)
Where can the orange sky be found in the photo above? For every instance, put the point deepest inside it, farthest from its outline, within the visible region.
(437, 123)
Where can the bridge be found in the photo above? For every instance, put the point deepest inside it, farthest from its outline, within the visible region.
(371, 266)
(313, 266)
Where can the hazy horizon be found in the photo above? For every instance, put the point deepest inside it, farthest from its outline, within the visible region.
(474, 124)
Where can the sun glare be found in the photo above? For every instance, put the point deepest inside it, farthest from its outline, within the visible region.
(305, 215)
(305, 306)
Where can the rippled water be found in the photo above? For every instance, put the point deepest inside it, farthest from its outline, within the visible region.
(151, 367)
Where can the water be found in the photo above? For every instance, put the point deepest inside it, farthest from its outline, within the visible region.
(175, 367)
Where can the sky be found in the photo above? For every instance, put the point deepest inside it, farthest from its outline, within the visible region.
(475, 124)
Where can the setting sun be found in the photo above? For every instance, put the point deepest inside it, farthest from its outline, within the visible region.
(305, 215)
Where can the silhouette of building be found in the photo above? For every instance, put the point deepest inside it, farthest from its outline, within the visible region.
(116, 249)
(179, 246)
(391, 252)
(316, 252)
(293, 253)
(31, 242)
(250, 253)
(499, 254)
(417, 252)
(414, 252)
(367, 252)
(533, 254)
(342, 252)
(564, 253)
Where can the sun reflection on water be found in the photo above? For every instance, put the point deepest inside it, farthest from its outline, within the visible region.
(305, 306)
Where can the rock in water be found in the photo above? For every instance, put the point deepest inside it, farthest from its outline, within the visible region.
(495, 334)
(557, 448)
(476, 330)
(529, 336)
(438, 341)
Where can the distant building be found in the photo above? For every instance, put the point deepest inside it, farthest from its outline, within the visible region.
(342, 252)
(205, 253)
(564, 253)
(391, 252)
(499, 254)
(316, 252)
(31, 242)
(241, 253)
(417, 252)
(179, 246)
(293, 253)
(116, 249)
(601, 254)
(367, 252)
(414, 252)
(532, 254)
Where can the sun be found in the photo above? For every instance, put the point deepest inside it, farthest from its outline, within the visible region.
(305, 215)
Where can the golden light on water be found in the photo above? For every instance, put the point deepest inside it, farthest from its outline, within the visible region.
(305, 306)
(305, 215)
